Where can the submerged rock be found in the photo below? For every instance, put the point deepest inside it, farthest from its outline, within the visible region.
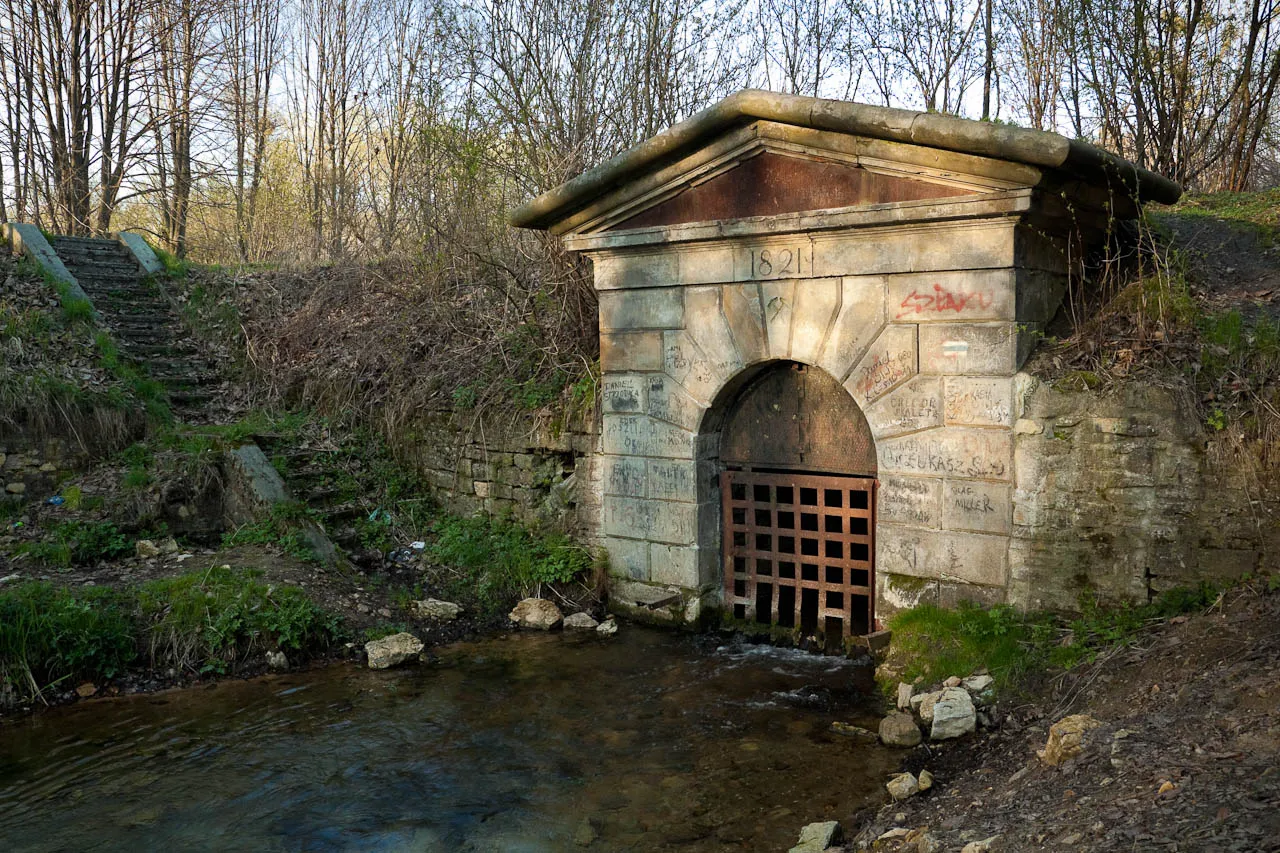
(580, 622)
(900, 730)
(434, 608)
(817, 837)
(393, 651)
(855, 732)
(1067, 738)
(953, 715)
(537, 613)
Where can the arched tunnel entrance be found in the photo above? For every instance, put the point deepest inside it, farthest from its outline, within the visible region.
(799, 505)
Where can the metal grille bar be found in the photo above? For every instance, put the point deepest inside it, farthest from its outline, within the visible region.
(799, 550)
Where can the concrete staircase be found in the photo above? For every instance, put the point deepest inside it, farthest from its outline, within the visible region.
(147, 328)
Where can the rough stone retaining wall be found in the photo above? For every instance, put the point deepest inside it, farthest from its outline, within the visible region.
(32, 469)
(512, 465)
(1124, 494)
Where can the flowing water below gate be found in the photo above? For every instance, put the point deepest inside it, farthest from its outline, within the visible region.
(651, 741)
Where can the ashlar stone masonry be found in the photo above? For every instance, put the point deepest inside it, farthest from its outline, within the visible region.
(911, 257)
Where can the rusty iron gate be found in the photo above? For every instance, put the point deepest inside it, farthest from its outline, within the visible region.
(800, 551)
(799, 504)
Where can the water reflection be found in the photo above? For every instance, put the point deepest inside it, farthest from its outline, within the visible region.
(651, 741)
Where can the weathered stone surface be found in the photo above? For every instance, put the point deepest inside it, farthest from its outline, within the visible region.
(657, 521)
(640, 435)
(648, 308)
(623, 392)
(952, 296)
(580, 622)
(1067, 738)
(624, 475)
(925, 780)
(623, 351)
(628, 557)
(966, 246)
(277, 661)
(745, 314)
(900, 730)
(951, 451)
(817, 303)
(977, 506)
(911, 407)
(672, 480)
(669, 402)
(856, 324)
(969, 557)
(146, 549)
(536, 613)
(905, 692)
(817, 837)
(676, 565)
(916, 501)
(903, 785)
(890, 361)
(979, 401)
(434, 608)
(953, 715)
(392, 651)
(969, 348)
(607, 628)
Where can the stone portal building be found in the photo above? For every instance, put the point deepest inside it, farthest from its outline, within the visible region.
(812, 318)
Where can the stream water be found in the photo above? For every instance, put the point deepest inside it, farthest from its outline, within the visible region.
(650, 741)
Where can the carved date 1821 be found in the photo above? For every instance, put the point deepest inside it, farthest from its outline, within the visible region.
(781, 262)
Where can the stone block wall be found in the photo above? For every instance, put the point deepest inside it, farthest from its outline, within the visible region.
(514, 466)
(31, 469)
(1124, 496)
(928, 355)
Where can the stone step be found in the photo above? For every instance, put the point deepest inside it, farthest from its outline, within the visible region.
(190, 397)
(319, 498)
(104, 277)
(342, 512)
(169, 351)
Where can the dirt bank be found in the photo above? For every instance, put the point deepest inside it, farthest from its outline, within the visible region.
(1186, 756)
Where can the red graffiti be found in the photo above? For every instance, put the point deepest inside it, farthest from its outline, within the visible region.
(942, 300)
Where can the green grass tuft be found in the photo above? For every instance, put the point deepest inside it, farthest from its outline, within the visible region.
(935, 643)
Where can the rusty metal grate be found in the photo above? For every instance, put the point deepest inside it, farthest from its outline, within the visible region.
(799, 551)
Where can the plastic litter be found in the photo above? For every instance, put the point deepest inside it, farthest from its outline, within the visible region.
(418, 546)
(56, 500)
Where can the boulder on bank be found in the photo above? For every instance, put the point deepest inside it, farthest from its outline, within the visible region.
(900, 730)
(903, 785)
(537, 613)
(817, 837)
(607, 628)
(1067, 738)
(434, 608)
(393, 650)
(580, 622)
(953, 715)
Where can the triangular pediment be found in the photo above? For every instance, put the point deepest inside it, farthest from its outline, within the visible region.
(767, 169)
(772, 183)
